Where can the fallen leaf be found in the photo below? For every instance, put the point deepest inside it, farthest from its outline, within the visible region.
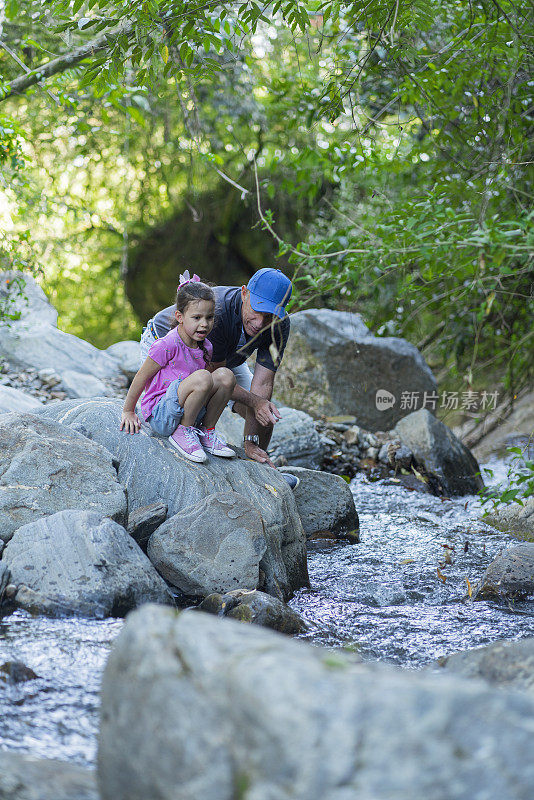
(418, 475)
(466, 546)
(469, 590)
(441, 576)
(271, 489)
(407, 561)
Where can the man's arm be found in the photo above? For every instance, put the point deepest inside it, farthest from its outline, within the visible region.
(262, 415)
(259, 412)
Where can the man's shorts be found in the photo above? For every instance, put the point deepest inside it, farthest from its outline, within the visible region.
(242, 373)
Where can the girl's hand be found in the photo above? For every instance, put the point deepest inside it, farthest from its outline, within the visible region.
(130, 422)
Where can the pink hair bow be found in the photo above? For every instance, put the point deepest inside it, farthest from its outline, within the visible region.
(186, 278)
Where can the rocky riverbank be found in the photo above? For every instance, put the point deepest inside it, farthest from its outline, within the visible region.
(94, 522)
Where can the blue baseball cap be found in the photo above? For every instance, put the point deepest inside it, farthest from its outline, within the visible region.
(270, 291)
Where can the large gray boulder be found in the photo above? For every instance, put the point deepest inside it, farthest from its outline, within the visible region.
(504, 663)
(333, 365)
(214, 546)
(245, 712)
(46, 467)
(23, 777)
(326, 505)
(153, 471)
(294, 441)
(21, 295)
(450, 467)
(34, 340)
(17, 401)
(127, 354)
(75, 562)
(41, 346)
(510, 574)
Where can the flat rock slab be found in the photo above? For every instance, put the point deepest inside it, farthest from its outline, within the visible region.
(43, 346)
(153, 471)
(214, 546)
(47, 467)
(326, 505)
(257, 608)
(509, 664)
(79, 384)
(510, 574)
(450, 467)
(245, 712)
(333, 365)
(75, 562)
(25, 778)
(17, 401)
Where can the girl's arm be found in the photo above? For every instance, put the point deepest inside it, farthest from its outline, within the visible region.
(129, 419)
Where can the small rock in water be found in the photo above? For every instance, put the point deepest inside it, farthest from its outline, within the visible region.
(510, 574)
(257, 608)
(16, 672)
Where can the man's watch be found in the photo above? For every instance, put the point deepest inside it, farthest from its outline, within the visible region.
(251, 437)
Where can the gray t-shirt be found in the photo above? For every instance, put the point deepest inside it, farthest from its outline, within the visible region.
(229, 340)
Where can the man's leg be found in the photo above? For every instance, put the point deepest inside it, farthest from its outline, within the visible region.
(243, 377)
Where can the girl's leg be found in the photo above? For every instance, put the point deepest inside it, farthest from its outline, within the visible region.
(194, 392)
(223, 387)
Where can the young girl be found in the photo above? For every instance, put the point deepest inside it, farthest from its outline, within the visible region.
(183, 398)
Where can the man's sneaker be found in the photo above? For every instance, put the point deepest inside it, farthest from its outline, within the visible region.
(292, 480)
(214, 444)
(186, 442)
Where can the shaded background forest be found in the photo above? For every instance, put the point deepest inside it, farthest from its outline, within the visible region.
(379, 152)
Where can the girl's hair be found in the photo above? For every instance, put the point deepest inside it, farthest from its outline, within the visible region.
(189, 293)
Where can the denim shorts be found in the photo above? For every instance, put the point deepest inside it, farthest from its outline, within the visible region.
(168, 412)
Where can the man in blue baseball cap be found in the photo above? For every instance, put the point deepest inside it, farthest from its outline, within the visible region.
(249, 318)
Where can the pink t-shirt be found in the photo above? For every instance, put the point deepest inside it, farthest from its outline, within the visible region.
(177, 360)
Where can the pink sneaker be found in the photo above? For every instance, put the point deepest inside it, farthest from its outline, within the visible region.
(214, 444)
(186, 442)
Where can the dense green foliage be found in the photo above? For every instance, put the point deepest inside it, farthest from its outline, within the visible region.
(405, 128)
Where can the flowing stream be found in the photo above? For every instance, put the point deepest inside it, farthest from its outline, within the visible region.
(393, 597)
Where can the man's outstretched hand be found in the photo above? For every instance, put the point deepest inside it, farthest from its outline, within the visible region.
(255, 452)
(266, 412)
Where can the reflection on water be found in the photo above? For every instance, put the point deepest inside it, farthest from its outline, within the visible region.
(55, 716)
(401, 595)
(383, 596)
